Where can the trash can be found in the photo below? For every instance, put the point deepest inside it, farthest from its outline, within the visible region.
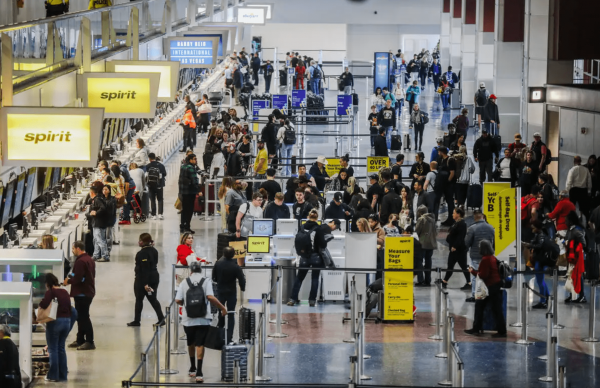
(289, 275)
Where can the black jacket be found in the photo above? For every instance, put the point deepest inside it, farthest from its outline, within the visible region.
(322, 231)
(301, 210)
(146, 266)
(238, 79)
(420, 169)
(485, 148)
(161, 168)
(381, 146)
(269, 136)
(391, 204)
(347, 79)
(318, 175)
(225, 272)
(234, 164)
(490, 112)
(456, 236)
(255, 63)
(102, 219)
(338, 211)
(276, 212)
(9, 363)
(362, 213)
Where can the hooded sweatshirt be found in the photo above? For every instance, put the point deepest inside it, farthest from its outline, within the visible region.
(426, 229)
(338, 211)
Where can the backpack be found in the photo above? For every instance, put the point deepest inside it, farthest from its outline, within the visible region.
(424, 118)
(551, 252)
(195, 300)
(548, 152)
(304, 242)
(505, 273)
(481, 97)
(526, 208)
(316, 72)
(153, 176)
(289, 137)
(441, 177)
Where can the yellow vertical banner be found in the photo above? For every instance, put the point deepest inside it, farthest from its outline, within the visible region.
(398, 286)
(333, 166)
(500, 209)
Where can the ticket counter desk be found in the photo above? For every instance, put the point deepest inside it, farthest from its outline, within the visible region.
(16, 308)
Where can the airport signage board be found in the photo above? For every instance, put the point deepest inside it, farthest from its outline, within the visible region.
(381, 69)
(122, 95)
(169, 74)
(269, 7)
(500, 209)
(298, 98)
(193, 52)
(50, 136)
(280, 101)
(251, 15)
(344, 104)
(398, 286)
(257, 105)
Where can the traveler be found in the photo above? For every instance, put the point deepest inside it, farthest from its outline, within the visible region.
(387, 120)
(338, 209)
(300, 73)
(188, 189)
(429, 187)
(83, 290)
(452, 80)
(203, 118)
(458, 249)
(462, 123)
(381, 145)
(261, 161)
(111, 211)
(238, 84)
(413, 68)
(255, 64)
(57, 330)
(55, 8)
(197, 326)
(224, 274)
(247, 213)
(191, 106)
(506, 169)
(419, 169)
(347, 81)
(399, 95)
(303, 174)
(434, 151)
(392, 229)
(435, 71)
(529, 172)
(141, 155)
(301, 208)
(99, 218)
(228, 76)
(139, 177)
(286, 136)
(391, 202)
(447, 167)
(10, 368)
(427, 232)
(445, 91)
(185, 251)
(389, 96)
(418, 119)
(563, 207)
(483, 152)
(340, 183)
(480, 230)
(406, 215)
(315, 73)
(412, 95)
(464, 175)
(231, 197)
(375, 192)
(312, 256)
(268, 71)
(420, 197)
(540, 151)
(373, 124)
(276, 209)
(218, 159)
(189, 130)
(397, 168)
(530, 212)
(345, 163)
(272, 186)
(234, 164)
(319, 172)
(244, 149)
(155, 178)
(575, 244)
(549, 192)
(269, 135)
(517, 148)
(539, 248)
(146, 280)
(362, 226)
(376, 228)
(592, 166)
(579, 186)
(491, 117)
(489, 274)
(377, 99)
(95, 4)
(480, 100)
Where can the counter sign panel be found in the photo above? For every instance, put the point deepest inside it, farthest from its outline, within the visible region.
(193, 51)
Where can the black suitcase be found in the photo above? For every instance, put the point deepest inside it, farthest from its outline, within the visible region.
(247, 324)
(592, 265)
(340, 84)
(498, 141)
(407, 142)
(474, 196)
(355, 99)
(294, 164)
(282, 78)
(88, 239)
(396, 142)
(229, 355)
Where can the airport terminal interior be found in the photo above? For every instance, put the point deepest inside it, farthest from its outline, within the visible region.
(350, 104)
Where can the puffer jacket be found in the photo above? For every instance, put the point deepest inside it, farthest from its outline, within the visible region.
(426, 229)
(480, 230)
(468, 168)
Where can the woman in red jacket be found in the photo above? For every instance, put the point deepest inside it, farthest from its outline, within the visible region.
(300, 70)
(560, 212)
(185, 249)
(488, 273)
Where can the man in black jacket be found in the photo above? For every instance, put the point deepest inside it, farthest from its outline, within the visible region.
(277, 209)
(238, 83)
(491, 117)
(420, 197)
(414, 66)
(381, 148)
(268, 73)
(100, 220)
(255, 64)
(234, 164)
(301, 208)
(387, 119)
(483, 151)
(225, 273)
(155, 189)
(391, 203)
(337, 209)
(347, 81)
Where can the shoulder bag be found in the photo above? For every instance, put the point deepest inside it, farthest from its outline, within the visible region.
(49, 313)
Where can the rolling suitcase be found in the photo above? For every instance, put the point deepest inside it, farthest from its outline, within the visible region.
(592, 265)
(247, 324)
(380, 304)
(199, 203)
(145, 203)
(223, 240)
(407, 141)
(474, 196)
(498, 141)
(282, 78)
(396, 142)
(229, 355)
(489, 323)
(354, 98)
(340, 84)
(88, 239)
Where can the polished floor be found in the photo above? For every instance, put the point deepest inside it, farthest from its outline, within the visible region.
(314, 351)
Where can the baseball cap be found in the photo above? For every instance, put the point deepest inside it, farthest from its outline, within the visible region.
(374, 176)
(537, 134)
(336, 222)
(337, 197)
(493, 97)
(261, 140)
(482, 84)
(439, 139)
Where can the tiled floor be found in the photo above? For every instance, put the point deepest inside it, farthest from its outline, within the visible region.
(314, 351)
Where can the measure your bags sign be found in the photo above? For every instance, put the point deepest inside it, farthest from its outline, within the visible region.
(280, 101)
(398, 286)
(374, 163)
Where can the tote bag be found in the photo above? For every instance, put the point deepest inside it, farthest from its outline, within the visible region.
(49, 313)
(481, 290)
(205, 108)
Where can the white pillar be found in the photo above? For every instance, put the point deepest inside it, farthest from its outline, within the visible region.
(484, 54)
(468, 82)
(445, 39)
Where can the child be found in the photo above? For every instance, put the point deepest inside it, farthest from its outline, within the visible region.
(373, 124)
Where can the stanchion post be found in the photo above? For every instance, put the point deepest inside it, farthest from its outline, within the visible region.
(438, 316)
(251, 377)
(352, 311)
(168, 370)
(360, 350)
(438, 282)
(519, 260)
(546, 356)
(274, 321)
(562, 376)
(362, 326)
(264, 327)
(353, 373)
(279, 333)
(144, 367)
(446, 344)
(261, 347)
(175, 317)
(592, 317)
(157, 353)
(450, 358)
(524, 295)
(552, 364)
(555, 294)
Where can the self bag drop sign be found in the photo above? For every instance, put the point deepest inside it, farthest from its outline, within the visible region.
(500, 209)
(56, 137)
(121, 95)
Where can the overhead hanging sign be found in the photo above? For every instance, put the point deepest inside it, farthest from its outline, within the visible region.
(280, 101)
(168, 70)
(50, 136)
(192, 51)
(398, 286)
(251, 15)
(298, 98)
(500, 209)
(344, 104)
(269, 7)
(382, 71)
(122, 95)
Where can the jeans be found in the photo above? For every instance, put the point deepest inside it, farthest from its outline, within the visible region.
(374, 132)
(348, 90)
(491, 128)
(187, 209)
(495, 298)
(229, 300)
(314, 285)
(100, 247)
(388, 136)
(539, 278)
(141, 293)
(56, 337)
(399, 106)
(460, 258)
(436, 82)
(423, 78)
(127, 206)
(267, 83)
(286, 156)
(424, 277)
(85, 330)
(156, 194)
(109, 239)
(474, 264)
(445, 100)
(188, 138)
(314, 84)
(485, 167)
(255, 71)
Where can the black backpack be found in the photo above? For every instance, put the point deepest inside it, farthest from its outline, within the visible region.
(153, 176)
(505, 273)
(481, 97)
(195, 300)
(316, 72)
(551, 252)
(441, 178)
(289, 136)
(304, 242)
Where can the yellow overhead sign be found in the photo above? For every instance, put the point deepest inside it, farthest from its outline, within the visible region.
(168, 70)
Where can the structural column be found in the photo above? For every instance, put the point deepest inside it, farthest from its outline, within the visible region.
(445, 35)
(508, 68)
(484, 40)
(456, 35)
(468, 45)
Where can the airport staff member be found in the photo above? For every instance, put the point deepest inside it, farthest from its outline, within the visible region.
(100, 4)
(56, 7)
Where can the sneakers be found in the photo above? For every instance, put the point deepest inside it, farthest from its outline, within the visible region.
(466, 287)
(124, 222)
(540, 306)
(312, 303)
(87, 346)
(568, 300)
(74, 345)
(291, 302)
(133, 323)
(160, 217)
(153, 217)
(199, 379)
(192, 372)
(103, 260)
(470, 300)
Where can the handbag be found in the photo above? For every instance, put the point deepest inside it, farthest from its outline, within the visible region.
(481, 290)
(178, 205)
(205, 108)
(215, 338)
(49, 313)
(569, 285)
(120, 200)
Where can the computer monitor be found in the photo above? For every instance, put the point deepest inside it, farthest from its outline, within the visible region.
(12, 231)
(19, 195)
(55, 177)
(258, 244)
(31, 177)
(263, 227)
(47, 179)
(8, 202)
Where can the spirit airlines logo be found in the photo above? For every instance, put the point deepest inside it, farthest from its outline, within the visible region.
(250, 15)
(118, 95)
(50, 137)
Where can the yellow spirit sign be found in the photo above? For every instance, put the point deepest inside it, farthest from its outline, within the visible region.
(398, 286)
(168, 70)
(500, 209)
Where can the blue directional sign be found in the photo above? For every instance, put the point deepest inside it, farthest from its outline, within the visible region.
(344, 104)
(382, 71)
(298, 98)
(280, 101)
(193, 52)
(257, 105)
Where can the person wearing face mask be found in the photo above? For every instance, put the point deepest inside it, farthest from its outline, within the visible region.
(146, 280)
(234, 164)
